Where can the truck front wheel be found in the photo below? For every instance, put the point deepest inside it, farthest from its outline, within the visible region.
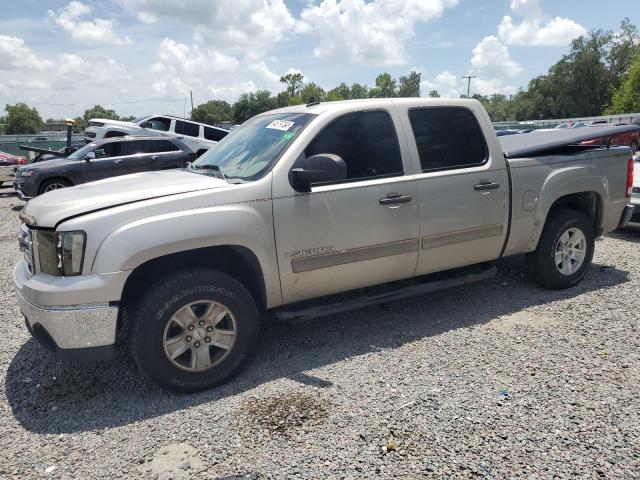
(193, 329)
(564, 252)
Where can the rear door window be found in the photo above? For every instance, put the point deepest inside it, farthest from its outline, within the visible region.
(366, 141)
(214, 134)
(137, 147)
(187, 128)
(160, 123)
(164, 146)
(448, 138)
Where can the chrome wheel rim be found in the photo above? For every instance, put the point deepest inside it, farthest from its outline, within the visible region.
(54, 186)
(199, 335)
(571, 251)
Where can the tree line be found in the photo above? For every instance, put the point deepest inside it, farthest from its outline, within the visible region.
(599, 75)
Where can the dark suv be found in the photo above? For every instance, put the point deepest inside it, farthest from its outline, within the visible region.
(108, 158)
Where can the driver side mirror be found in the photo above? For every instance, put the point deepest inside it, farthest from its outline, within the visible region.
(315, 170)
(90, 156)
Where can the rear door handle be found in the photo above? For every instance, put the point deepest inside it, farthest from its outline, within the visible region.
(486, 185)
(395, 199)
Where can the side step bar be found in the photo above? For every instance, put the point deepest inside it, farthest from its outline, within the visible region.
(305, 312)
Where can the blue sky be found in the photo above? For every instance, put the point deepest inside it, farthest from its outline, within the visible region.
(143, 56)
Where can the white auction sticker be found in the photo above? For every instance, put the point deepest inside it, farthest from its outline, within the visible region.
(283, 125)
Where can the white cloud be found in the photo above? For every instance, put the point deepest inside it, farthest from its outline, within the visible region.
(256, 23)
(535, 29)
(15, 54)
(372, 32)
(491, 59)
(446, 83)
(97, 31)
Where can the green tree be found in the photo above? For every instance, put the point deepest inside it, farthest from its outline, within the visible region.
(312, 92)
(385, 87)
(627, 98)
(625, 47)
(434, 94)
(21, 118)
(97, 111)
(251, 104)
(213, 111)
(294, 83)
(341, 92)
(358, 91)
(409, 86)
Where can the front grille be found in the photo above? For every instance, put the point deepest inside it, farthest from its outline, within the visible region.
(26, 246)
(95, 124)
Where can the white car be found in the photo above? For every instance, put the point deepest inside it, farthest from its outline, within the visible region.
(197, 136)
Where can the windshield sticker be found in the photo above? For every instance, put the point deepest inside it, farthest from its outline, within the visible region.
(283, 125)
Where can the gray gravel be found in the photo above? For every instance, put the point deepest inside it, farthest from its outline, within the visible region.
(495, 380)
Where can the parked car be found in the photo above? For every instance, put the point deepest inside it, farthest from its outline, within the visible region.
(628, 139)
(8, 159)
(300, 203)
(199, 137)
(98, 160)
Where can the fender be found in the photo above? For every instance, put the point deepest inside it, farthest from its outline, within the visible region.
(247, 225)
(567, 181)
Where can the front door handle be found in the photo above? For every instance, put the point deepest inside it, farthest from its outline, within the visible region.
(395, 199)
(486, 185)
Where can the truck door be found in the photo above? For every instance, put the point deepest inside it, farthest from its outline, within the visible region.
(463, 187)
(358, 232)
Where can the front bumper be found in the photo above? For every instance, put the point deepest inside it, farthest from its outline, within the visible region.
(58, 313)
(23, 191)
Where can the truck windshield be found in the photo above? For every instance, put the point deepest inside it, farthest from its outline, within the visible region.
(250, 150)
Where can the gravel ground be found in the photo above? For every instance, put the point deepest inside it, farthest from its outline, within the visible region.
(495, 380)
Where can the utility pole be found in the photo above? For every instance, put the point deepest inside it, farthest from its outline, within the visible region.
(468, 78)
(191, 93)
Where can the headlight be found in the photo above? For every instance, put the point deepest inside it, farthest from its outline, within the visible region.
(61, 253)
(26, 173)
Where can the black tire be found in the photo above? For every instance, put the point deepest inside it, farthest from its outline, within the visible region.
(541, 263)
(634, 147)
(166, 297)
(53, 181)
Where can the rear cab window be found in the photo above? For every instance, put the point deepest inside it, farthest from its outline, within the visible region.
(448, 138)
(366, 141)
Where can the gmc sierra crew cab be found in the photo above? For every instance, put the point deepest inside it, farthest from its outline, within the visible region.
(301, 203)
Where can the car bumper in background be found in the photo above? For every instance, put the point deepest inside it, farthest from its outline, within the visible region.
(23, 191)
(628, 214)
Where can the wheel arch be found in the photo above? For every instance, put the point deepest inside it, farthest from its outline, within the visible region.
(57, 176)
(236, 261)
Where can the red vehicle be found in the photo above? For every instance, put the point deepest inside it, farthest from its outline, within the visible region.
(7, 159)
(631, 139)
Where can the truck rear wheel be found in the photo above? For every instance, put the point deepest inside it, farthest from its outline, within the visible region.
(193, 329)
(564, 252)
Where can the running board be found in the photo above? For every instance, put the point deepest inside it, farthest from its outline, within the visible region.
(460, 277)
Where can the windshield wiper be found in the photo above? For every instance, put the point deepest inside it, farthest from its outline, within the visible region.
(207, 166)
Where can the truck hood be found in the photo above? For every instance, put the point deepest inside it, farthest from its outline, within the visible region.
(53, 207)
